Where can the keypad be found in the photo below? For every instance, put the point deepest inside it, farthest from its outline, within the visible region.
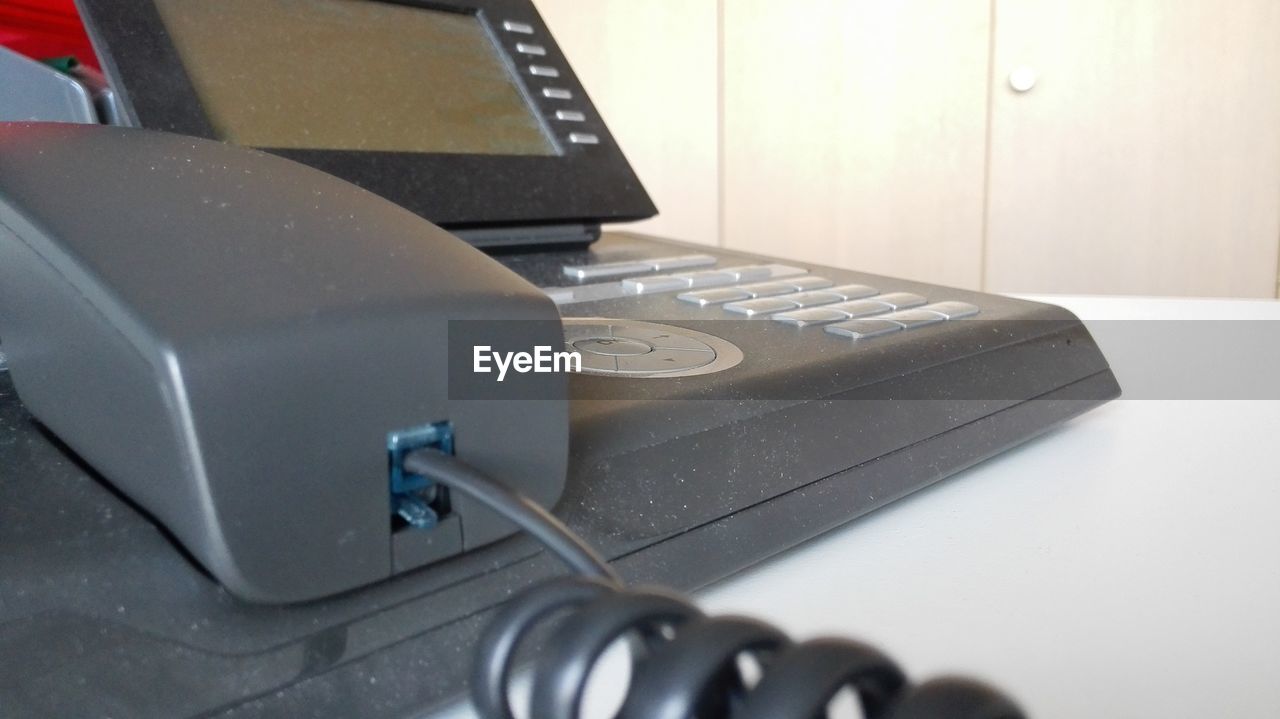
(783, 293)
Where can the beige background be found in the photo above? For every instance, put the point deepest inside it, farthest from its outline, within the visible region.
(884, 135)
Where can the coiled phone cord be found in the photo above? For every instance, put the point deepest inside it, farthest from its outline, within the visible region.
(690, 664)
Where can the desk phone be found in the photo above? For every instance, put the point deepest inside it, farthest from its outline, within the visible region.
(237, 310)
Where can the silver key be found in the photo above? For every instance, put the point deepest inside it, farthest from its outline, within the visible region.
(656, 283)
(810, 316)
(863, 308)
(666, 264)
(914, 318)
(605, 269)
(863, 329)
(900, 300)
(702, 298)
(809, 282)
(815, 297)
(767, 289)
(707, 278)
(751, 273)
(762, 306)
(952, 310)
(854, 292)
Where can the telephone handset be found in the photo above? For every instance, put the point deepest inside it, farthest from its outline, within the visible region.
(245, 346)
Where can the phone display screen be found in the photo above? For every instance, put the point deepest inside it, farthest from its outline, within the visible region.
(352, 75)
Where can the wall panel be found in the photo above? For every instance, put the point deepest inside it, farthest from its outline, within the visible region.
(854, 133)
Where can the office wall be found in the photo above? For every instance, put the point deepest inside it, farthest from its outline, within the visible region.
(885, 136)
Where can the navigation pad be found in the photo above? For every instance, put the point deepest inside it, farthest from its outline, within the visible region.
(645, 349)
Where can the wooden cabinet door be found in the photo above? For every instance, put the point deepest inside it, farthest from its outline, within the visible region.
(1145, 158)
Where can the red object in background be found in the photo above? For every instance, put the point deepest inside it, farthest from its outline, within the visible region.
(43, 29)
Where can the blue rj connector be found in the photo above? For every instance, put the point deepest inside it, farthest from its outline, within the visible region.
(416, 499)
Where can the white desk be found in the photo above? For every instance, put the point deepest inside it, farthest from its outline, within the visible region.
(1124, 565)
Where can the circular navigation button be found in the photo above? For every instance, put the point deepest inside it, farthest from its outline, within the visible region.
(613, 346)
(636, 349)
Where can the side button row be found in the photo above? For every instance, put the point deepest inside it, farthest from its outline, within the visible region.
(619, 269)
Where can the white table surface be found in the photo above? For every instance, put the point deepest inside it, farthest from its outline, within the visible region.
(1124, 565)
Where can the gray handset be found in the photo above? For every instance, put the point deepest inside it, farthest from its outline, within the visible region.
(241, 344)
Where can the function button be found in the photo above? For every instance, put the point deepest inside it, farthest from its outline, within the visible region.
(706, 278)
(570, 116)
(862, 329)
(703, 298)
(606, 269)
(863, 308)
(523, 28)
(557, 93)
(914, 318)
(752, 273)
(661, 338)
(762, 306)
(854, 292)
(811, 316)
(612, 346)
(530, 49)
(544, 71)
(650, 285)
(815, 297)
(809, 282)
(584, 138)
(952, 310)
(664, 264)
(666, 360)
(900, 300)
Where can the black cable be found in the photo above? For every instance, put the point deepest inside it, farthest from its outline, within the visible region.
(688, 665)
(528, 514)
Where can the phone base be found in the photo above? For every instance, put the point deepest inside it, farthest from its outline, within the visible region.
(677, 483)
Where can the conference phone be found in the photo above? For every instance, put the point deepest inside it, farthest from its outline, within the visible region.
(284, 341)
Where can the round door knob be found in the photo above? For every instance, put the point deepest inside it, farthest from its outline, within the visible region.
(1023, 78)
